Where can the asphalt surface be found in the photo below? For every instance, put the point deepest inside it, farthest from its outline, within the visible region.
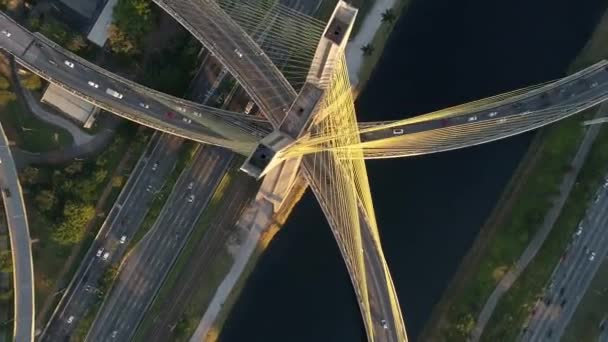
(144, 270)
(196, 271)
(123, 219)
(49, 59)
(240, 133)
(572, 276)
(543, 232)
(23, 267)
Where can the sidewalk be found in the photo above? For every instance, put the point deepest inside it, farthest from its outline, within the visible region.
(537, 241)
(367, 31)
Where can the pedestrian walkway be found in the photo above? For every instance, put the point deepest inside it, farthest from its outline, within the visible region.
(367, 31)
(539, 238)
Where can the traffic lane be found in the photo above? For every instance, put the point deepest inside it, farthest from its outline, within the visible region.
(139, 280)
(94, 271)
(374, 270)
(582, 281)
(577, 261)
(236, 197)
(167, 246)
(21, 253)
(13, 38)
(567, 93)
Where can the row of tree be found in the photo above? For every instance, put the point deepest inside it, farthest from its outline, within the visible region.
(389, 17)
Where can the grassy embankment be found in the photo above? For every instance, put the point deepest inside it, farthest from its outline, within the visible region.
(509, 238)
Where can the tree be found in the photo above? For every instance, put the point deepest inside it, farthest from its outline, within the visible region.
(30, 175)
(367, 49)
(120, 42)
(74, 168)
(388, 16)
(76, 43)
(45, 201)
(4, 83)
(6, 262)
(76, 217)
(6, 97)
(31, 81)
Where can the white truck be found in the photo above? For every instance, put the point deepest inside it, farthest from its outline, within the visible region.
(114, 93)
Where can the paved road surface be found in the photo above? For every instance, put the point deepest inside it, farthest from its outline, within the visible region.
(123, 219)
(144, 270)
(537, 241)
(572, 276)
(196, 271)
(23, 268)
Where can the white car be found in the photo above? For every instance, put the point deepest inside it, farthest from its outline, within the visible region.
(155, 166)
(70, 319)
(6, 33)
(93, 84)
(181, 109)
(187, 120)
(114, 333)
(197, 114)
(579, 231)
(472, 118)
(384, 324)
(593, 85)
(106, 255)
(190, 199)
(492, 114)
(238, 53)
(99, 252)
(191, 185)
(69, 64)
(592, 256)
(397, 131)
(144, 105)
(123, 239)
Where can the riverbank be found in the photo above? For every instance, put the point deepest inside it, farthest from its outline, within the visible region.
(507, 233)
(374, 33)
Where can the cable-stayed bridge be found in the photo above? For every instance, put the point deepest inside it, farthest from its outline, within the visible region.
(292, 66)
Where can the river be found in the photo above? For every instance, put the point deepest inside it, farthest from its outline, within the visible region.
(429, 209)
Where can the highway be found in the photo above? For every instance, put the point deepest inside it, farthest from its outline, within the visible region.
(464, 126)
(571, 277)
(144, 270)
(123, 219)
(23, 267)
(137, 103)
(236, 197)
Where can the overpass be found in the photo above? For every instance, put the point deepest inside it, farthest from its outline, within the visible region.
(466, 125)
(23, 266)
(332, 158)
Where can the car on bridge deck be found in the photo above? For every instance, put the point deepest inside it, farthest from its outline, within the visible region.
(170, 115)
(6, 33)
(69, 64)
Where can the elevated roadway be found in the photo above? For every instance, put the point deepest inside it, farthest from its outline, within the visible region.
(23, 267)
(449, 129)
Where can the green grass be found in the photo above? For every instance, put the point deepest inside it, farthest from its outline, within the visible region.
(30, 133)
(593, 308)
(216, 273)
(514, 307)
(558, 146)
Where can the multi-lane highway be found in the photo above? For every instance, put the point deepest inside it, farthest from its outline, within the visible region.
(145, 268)
(23, 267)
(197, 270)
(123, 219)
(570, 279)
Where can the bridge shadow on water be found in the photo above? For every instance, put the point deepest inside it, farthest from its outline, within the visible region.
(429, 209)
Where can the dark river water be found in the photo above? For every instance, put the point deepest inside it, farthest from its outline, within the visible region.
(429, 209)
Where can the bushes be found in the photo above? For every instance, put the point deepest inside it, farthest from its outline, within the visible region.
(132, 19)
(76, 217)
